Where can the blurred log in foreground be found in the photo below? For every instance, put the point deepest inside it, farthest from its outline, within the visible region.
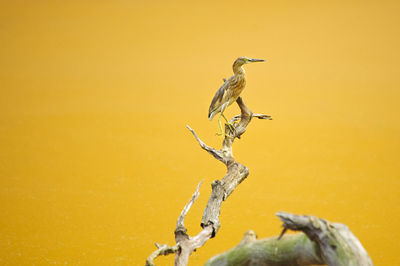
(319, 243)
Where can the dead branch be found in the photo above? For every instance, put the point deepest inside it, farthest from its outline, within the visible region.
(180, 223)
(186, 243)
(221, 189)
(161, 250)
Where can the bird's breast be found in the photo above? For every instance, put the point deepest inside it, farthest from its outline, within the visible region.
(237, 88)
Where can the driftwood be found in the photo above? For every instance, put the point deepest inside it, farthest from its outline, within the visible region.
(320, 242)
(221, 189)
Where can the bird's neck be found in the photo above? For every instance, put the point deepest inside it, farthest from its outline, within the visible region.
(238, 70)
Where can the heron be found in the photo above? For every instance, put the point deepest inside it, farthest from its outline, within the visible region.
(230, 91)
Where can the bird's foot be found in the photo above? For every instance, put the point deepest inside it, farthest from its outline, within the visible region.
(231, 126)
(222, 134)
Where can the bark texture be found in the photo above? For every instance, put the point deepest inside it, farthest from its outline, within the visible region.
(221, 189)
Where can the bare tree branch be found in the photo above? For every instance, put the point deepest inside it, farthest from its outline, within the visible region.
(161, 250)
(180, 223)
(217, 154)
(236, 172)
(221, 189)
(187, 244)
(259, 116)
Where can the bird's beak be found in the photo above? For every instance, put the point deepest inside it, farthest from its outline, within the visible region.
(256, 60)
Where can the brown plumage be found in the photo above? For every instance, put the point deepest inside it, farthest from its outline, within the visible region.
(231, 89)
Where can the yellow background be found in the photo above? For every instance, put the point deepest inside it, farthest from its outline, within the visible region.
(96, 163)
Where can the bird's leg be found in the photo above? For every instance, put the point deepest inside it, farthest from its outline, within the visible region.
(231, 127)
(220, 127)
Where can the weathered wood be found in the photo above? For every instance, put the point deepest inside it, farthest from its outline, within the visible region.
(338, 245)
(180, 224)
(163, 249)
(221, 189)
(320, 243)
(213, 208)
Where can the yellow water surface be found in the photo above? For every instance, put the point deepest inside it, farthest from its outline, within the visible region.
(96, 162)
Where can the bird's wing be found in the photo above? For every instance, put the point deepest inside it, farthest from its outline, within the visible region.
(219, 99)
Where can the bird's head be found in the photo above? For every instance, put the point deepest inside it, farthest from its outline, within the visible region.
(246, 60)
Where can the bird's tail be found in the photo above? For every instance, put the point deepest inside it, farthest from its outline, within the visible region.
(211, 115)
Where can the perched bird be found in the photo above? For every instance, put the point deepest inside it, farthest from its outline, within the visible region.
(230, 90)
